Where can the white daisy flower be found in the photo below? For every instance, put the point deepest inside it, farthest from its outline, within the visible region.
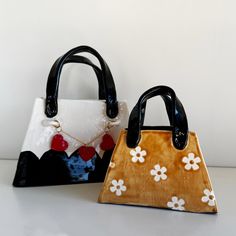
(138, 154)
(159, 173)
(176, 204)
(209, 197)
(191, 162)
(117, 187)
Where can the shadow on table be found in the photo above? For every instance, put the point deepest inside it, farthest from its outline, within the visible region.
(88, 192)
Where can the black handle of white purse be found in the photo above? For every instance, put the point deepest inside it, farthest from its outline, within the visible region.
(51, 106)
(175, 109)
(97, 70)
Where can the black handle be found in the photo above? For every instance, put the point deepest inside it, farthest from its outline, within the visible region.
(168, 105)
(97, 70)
(176, 113)
(51, 107)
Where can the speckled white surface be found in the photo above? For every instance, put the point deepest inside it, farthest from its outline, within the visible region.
(83, 119)
(72, 210)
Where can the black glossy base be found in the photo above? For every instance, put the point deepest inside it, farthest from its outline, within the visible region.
(56, 168)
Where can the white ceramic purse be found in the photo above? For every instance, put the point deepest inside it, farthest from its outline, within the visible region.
(71, 141)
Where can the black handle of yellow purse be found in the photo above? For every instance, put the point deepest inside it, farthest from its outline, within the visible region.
(51, 106)
(168, 105)
(176, 113)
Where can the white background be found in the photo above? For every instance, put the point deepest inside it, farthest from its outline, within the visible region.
(188, 45)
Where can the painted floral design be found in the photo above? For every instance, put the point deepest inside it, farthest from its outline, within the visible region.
(138, 154)
(118, 187)
(191, 162)
(159, 173)
(176, 204)
(209, 197)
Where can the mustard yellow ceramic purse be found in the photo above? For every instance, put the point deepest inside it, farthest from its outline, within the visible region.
(159, 166)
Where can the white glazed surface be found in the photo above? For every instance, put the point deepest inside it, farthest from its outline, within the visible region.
(82, 119)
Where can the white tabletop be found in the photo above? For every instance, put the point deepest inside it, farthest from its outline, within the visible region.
(73, 210)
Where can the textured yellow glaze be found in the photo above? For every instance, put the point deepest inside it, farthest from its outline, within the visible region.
(141, 187)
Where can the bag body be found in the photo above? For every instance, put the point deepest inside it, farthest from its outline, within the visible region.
(159, 166)
(71, 141)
